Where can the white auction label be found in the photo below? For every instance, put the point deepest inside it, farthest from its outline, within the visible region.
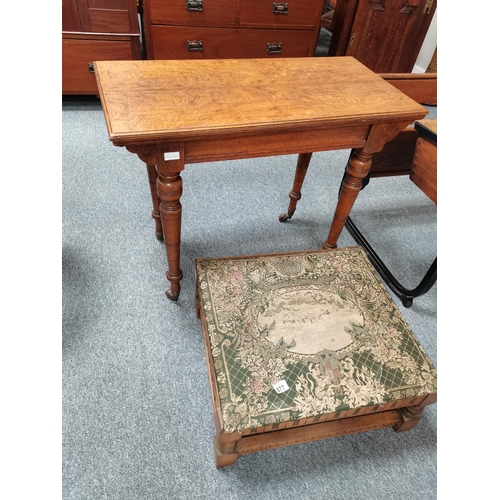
(174, 155)
(281, 386)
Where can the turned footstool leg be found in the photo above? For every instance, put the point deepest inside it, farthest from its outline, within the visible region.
(408, 418)
(225, 449)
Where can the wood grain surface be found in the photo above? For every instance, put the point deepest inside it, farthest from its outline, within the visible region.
(148, 100)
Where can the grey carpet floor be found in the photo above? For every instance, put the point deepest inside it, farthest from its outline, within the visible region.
(137, 420)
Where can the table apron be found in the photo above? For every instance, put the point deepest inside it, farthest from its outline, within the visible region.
(298, 435)
(274, 144)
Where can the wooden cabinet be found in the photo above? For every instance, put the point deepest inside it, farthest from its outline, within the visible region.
(384, 35)
(424, 168)
(213, 29)
(95, 30)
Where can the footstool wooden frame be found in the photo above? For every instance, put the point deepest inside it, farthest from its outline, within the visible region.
(305, 346)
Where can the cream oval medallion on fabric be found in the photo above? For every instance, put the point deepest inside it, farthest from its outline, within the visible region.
(302, 320)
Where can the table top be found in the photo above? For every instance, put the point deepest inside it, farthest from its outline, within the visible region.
(146, 101)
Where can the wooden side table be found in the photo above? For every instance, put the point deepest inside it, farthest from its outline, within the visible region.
(172, 113)
(305, 346)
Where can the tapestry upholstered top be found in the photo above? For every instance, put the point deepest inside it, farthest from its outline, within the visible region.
(319, 324)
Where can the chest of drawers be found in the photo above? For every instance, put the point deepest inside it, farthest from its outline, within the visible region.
(96, 30)
(217, 29)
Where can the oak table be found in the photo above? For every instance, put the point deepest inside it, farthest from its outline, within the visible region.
(172, 113)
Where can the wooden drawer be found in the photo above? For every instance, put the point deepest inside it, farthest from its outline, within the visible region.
(171, 42)
(280, 14)
(424, 171)
(213, 13)
(424, 168)
(76, 56)
(111, 21)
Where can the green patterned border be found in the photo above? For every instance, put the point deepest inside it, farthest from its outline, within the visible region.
(381, 361)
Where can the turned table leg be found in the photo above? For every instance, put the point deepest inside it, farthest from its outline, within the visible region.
(152, 176)
(357, 169)
(164, 163)
(170, 190)
(295, 194)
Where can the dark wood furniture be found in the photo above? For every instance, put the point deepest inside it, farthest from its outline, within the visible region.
(96, 30)
(215, 29)
(305, 346)
(172, 113)
(385, 35)
(398, 157)
(424, 167)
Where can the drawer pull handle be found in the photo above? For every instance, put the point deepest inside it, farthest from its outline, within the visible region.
(91, 67)
(274, 48)
(195, 44)
(280, 8)
(195, 5)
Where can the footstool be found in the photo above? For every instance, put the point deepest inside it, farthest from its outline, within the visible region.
(305, 346)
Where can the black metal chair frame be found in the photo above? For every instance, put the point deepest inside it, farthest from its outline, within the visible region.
(406, 295)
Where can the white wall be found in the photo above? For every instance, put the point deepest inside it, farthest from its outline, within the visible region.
(428, 47)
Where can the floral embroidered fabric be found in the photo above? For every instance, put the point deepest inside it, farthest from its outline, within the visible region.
(322, 321)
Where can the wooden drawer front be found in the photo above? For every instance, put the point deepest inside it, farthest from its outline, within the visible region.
(214, 12)
(424, 171)
(226, 43)
(282, 14)
(76, 56)
(109, 16)
(110, 21)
